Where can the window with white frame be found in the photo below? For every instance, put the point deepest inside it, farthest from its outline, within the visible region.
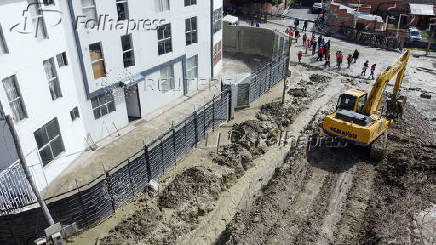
(13, 93)
(89, 9)
(74, 113)
(38, 19)
(191, 30)
(128, 52)
(123, 9)
(97, 60)
(49, 141)
(103, 105)
(162, 5)
(52, 77)
(48, 2)
(3, 46)
(190, 2)
(167, 80)
(62, 59)
(217, 20)
(164, 39)
(192, 67)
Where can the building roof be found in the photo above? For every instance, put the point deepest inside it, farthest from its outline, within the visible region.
(421, 9)
(360, 15)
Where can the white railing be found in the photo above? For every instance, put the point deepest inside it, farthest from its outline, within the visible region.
(15, 191)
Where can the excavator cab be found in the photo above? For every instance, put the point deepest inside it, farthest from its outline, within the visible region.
(352, 100)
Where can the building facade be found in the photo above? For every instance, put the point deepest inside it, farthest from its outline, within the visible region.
(75, 71)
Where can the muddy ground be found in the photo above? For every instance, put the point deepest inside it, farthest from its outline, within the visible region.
(325, 192)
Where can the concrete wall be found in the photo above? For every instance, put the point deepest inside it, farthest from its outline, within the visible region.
(7, 150)
(248, 40)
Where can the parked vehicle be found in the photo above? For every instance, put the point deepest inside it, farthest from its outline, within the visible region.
(317, 8)
(231, 20)
(414, 34)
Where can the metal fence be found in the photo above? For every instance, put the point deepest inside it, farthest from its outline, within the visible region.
(88, 204)
(15, 191)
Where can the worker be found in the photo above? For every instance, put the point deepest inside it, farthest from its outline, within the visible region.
(319, 40)
(339, 59)
(372, 71)
(297, 35)
(296, 23)
(300, 54)
(307, 45)
(320, 53)
(252, 21)
(292, 33)
(349, 60)
(287, 31)
(327, 59)
(305, 25)
(313, 47)
(355, 55)
(304, 38)
(365, 66)
(327, 44)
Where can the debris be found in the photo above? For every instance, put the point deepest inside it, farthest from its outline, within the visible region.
(426, 95)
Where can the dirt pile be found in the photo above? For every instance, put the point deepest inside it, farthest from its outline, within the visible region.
(405, 184)
(197, 184)
(177, 210)
(318, 78)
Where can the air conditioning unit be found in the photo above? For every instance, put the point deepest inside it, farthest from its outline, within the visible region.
(40, 241)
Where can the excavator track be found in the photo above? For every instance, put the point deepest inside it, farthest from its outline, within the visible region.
(378, 148)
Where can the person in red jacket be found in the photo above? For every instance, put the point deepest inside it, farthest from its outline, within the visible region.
(372, 71)
(300, 54)
(339, 59)
(349, 60)
(320, 53)
(327, 60)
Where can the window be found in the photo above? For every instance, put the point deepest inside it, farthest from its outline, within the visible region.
(190, 2)
(13, 93)
(62, 59)
(3, 46)
(164, 39)
(97, 60)
(103, 105)
(48, 2)
(217, 20)
(38, 19)
(89, 9)
(49, 141)
(123, 10)
(52, 77)
(167, 81)
(128, 53)
(74, 113)
(192, 67)
(191, 30)
(217, 53)
(162, 5)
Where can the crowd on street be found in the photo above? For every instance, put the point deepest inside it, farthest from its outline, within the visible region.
(322, 48)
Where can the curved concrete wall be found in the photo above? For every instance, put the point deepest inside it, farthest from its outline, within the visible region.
(248, 40)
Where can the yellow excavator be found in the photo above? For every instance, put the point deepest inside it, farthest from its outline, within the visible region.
(358, 119)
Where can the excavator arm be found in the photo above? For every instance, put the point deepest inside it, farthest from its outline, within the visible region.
(398, 68)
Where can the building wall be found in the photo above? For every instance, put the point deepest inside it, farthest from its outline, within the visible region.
(25, 60)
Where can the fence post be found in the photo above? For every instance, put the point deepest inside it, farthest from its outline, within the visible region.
(196, 127)
(82, 206)
(130, 176)
(213, 113)
(174, 141)
(204, 121)
(109, 187)
(162, 156)
(229, 103)
(147, 162)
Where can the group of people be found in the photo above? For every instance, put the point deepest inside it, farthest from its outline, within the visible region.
(324, 53)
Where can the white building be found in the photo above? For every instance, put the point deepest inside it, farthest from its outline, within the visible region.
(73, 70)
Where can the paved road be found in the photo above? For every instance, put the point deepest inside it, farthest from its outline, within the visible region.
(302, 14)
